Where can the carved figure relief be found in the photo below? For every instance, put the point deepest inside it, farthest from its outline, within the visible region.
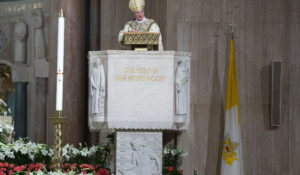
(39, 40)
(182, 78)
(140, 153)
(97, 88)
(143, 161)
(3, 40)
(20, 41)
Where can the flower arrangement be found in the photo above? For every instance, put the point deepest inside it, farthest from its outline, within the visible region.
(25, 157)
(40, 169)
(172, 159)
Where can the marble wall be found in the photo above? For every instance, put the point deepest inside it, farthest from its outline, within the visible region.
(264, 31)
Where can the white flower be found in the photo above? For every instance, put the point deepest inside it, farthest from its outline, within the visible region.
(31, 155)
(172, 152)
(75, 151)
(9, 129)
(67, 157)
(24, 150)
(39, 173)
(44, 152)
(166, 151)
(10, 154)
(51, 152)
(84, 152)
(64, 151)
(2, 156)
(17, 146)
(93, 150)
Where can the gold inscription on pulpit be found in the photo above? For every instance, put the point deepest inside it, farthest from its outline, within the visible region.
(140, 74)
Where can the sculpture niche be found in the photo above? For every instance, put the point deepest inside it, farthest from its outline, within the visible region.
(20, 41)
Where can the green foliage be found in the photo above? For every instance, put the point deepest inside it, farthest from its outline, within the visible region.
(19, 159)
(41, 155)
(103, 155)
(172, 159)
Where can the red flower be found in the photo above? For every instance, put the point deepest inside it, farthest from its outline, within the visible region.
(36, 169)
(11, 172)
(11, 166)
(103, 171)
(3, 169)
(39, 165)
(66, 164)
(72, 167)
(170, 168)
(82, 166)
(19, 168)
(91, 167)
(181, 171)
(31, 166)
(84, 172)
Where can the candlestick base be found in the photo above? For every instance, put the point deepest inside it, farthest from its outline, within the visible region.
(57, 159)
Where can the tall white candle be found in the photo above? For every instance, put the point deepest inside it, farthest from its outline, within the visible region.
(60, 62)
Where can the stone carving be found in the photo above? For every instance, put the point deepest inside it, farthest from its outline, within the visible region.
(3, 40)
(140, 90)
(140, 153)
(182, 78)
(39, 40)
(97, 89)
(20, 41)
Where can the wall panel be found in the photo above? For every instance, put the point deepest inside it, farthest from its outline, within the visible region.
(264, 31)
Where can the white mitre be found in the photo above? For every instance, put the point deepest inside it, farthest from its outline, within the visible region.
(136, 5)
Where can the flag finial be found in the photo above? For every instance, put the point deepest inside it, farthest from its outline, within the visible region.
(232, 25)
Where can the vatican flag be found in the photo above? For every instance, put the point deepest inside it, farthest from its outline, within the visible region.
(232, 162)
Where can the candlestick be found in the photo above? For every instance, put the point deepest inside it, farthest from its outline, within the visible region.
(60, 61)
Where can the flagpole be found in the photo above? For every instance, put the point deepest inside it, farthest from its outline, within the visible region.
(232, 159)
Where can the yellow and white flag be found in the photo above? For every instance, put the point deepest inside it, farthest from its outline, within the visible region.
(232, 162)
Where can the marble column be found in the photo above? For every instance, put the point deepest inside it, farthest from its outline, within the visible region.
(74, 92)
(41, 110)
(94, 45)
(20, 110)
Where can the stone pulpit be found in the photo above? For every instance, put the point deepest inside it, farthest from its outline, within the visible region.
(139, 94)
